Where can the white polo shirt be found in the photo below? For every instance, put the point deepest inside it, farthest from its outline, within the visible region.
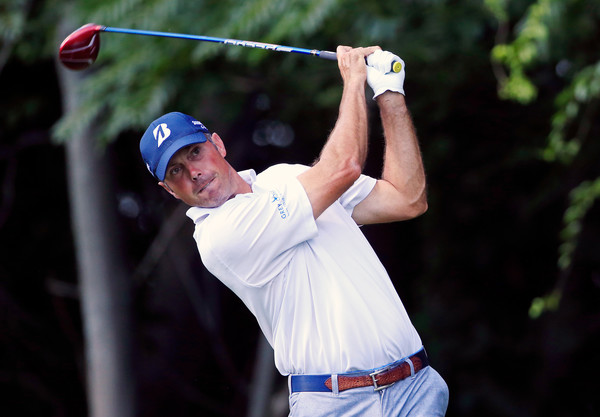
(320, 294)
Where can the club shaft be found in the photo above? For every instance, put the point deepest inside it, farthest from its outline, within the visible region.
(249, 44)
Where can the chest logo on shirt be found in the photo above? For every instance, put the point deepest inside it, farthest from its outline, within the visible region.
(280, 202)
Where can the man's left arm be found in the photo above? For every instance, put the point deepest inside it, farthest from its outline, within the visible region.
(400, 194)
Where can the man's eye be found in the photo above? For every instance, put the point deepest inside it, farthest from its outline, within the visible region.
(195, 150)
(174, 170)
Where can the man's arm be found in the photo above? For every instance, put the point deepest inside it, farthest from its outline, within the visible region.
(342, 158)
(400, 194)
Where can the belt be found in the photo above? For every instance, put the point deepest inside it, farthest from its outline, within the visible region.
(379, 379)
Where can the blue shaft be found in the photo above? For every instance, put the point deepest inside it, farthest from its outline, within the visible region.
(248, 44)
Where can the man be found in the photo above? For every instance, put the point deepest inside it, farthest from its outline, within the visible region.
(287, 242)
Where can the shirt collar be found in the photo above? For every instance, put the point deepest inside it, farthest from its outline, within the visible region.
(198, 214)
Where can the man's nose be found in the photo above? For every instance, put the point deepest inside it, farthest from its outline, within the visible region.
(195, 173)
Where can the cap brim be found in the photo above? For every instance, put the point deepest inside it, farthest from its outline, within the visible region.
(166, 156)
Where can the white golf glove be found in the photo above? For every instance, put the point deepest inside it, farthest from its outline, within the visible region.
(380, 76)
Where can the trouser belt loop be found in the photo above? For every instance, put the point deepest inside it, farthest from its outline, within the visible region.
(412, 367)
(334, 384)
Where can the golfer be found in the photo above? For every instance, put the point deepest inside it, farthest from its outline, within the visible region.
(287, 241)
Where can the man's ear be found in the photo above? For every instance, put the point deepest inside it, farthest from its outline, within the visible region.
(216, 139)
(166, 187)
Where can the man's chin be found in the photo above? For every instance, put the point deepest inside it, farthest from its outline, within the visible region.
(206, 204)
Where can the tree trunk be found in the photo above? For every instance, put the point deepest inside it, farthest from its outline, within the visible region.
(104, 285)
(262, 381)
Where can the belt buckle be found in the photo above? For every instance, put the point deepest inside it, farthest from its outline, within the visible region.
(373, 376)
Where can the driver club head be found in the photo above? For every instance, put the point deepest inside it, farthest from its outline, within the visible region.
(80, 49)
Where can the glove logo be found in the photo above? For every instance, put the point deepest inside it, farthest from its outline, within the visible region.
(161, 132)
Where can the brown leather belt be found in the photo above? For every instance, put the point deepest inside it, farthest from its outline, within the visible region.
(379, 379)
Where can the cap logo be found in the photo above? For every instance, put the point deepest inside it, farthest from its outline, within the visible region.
(197, 123)
(161, 132)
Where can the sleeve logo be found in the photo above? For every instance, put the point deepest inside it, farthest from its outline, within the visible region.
(279, 201)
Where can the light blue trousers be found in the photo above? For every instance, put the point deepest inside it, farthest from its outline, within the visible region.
(425, 394)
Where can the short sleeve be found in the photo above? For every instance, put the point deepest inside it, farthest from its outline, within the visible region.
(252, 237)
(357, 192)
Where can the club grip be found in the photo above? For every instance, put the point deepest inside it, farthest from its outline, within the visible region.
(332, 56)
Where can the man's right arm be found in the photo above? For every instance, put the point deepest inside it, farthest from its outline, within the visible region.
(342, 158)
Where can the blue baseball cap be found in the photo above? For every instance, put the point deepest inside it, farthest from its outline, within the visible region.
(165, 136)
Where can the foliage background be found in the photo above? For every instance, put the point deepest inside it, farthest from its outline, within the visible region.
(501, 276)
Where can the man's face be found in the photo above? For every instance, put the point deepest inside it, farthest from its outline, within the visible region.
(199, 175)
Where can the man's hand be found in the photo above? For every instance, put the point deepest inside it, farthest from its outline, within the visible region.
(351, 62)
(380, 76)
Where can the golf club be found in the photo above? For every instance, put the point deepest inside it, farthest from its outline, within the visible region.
(80, 49)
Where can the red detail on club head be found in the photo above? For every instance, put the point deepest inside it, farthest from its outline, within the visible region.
(80, 49)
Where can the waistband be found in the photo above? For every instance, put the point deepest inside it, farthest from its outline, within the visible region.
(379, 378)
